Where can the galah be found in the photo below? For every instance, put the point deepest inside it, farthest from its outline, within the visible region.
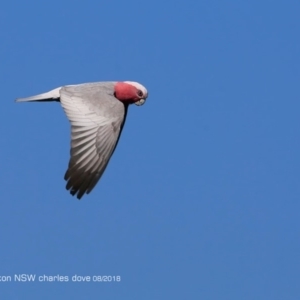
(97, 113)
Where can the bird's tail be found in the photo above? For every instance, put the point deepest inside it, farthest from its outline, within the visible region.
(53, 95)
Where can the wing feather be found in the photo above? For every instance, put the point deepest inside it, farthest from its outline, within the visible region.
(97, 119)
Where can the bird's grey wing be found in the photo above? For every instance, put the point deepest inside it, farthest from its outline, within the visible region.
(97, 119)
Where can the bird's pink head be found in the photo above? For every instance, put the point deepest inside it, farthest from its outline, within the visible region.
(131, 92)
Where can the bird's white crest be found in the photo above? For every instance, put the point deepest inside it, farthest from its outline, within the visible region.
(138, 86)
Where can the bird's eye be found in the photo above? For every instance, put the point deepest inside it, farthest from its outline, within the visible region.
(140, 93)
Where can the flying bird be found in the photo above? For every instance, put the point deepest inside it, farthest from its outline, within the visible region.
(97, 113)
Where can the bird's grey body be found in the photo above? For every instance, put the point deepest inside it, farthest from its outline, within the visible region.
(97, 118)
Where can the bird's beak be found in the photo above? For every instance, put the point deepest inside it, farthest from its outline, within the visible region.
(140, 102)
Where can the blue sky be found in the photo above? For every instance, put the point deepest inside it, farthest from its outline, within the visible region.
(201, 198)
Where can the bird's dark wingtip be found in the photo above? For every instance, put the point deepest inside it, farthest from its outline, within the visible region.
(74, 192)
(79, 196)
